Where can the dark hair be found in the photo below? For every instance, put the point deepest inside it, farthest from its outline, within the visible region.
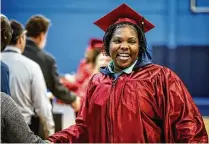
(6, 32)
(110, 31)
(17, 31)
(36, 25)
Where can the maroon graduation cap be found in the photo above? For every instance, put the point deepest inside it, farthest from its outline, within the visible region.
(123, 13)
(95, 43)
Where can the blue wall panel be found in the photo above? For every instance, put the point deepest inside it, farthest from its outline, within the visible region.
(72, 23)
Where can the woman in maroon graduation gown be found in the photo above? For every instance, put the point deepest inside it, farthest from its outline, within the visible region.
(134, 100)
(86, 66)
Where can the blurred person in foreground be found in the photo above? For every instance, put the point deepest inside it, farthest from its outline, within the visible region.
(13, 126)
(37, 28)
(27, 84)
(133, 100)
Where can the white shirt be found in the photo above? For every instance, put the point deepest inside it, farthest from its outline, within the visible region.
(28, 88)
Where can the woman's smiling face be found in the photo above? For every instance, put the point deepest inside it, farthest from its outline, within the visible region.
(124, 47)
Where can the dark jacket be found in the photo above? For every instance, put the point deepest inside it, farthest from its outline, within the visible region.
(49, 69)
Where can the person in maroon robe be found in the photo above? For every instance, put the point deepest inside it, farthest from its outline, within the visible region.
(86, 66)
(101, 61)
(133, 100)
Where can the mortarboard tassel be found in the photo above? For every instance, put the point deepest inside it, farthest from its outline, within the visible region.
(142, 26)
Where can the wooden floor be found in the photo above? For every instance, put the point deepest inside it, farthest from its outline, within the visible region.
(206, 121)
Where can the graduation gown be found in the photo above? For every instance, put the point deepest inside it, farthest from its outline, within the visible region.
(149, 105)
(83, 73)
(82, 77)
